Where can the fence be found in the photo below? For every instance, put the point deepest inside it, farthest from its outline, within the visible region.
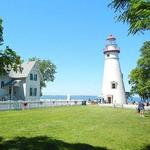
(16, 105)
(128, 106)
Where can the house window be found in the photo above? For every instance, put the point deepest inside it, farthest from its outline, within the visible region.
(108, 55)
(31, 92)
(31, 76)
(35, 77)
(2, 84)
(35, 91)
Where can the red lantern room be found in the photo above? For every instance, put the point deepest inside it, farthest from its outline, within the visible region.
(111, 45)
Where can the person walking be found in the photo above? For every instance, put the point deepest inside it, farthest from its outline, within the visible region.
(141, 109)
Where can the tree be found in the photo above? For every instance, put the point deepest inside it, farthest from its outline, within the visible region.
(1, 32)
(136, 13)
(47, 68)
(139, 77)
(8, 58)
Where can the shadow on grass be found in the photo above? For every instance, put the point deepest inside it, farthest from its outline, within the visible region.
(43, 143)
(147, 147)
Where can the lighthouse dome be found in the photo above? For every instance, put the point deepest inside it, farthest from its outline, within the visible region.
(111, 45)
(111, 37)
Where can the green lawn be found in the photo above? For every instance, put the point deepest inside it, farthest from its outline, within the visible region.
(74, 128)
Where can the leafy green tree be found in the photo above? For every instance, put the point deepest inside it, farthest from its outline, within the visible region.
(139, 77)
(8, 58)
(48, 70)
(134, 12)
(1, 32)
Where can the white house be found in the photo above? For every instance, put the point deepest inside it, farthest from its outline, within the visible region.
(23, 85)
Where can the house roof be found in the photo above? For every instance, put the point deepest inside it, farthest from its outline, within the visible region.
(26, 70)
(12, 83)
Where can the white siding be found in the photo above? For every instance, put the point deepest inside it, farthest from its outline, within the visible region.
(33, 84)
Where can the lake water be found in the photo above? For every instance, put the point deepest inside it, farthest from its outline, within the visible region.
(81, 97)
(64, 97)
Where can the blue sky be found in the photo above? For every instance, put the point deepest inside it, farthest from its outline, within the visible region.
(71, 33)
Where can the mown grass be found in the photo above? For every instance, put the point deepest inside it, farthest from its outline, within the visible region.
(74, 128)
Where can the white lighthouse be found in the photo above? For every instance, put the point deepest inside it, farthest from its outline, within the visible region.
(113, 90)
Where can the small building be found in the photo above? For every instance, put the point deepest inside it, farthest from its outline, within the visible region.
(23, 85)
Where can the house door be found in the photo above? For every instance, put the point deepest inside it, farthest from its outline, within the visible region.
(16, 93)
(9, 90)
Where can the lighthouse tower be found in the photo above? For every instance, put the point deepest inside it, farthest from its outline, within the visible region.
(113, 90)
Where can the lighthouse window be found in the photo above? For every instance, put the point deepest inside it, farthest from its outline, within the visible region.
(107, 55)
(113, 85)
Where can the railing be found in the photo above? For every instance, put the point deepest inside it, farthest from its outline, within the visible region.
(17, 105)
(128, 106)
